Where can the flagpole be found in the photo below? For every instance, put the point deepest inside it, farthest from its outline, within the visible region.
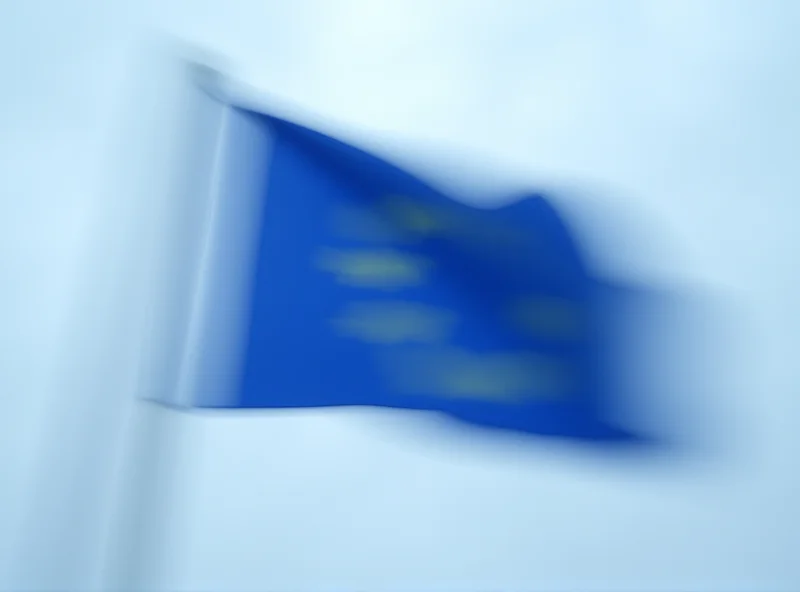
(151, 465)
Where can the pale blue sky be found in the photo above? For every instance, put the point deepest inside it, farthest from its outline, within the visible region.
(679, 119)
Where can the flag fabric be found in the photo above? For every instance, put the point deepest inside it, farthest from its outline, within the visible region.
(372, 288)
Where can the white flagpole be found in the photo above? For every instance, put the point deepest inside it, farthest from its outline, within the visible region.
(152, 463)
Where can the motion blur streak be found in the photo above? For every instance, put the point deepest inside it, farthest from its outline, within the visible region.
(668, 134)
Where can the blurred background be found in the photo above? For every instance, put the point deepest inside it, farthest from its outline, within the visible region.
(669, 129)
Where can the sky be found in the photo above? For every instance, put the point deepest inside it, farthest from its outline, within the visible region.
(671, 124)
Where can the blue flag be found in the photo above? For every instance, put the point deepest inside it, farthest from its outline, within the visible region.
(371, 288)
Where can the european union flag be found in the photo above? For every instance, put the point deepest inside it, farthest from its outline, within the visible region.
(371, 288)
